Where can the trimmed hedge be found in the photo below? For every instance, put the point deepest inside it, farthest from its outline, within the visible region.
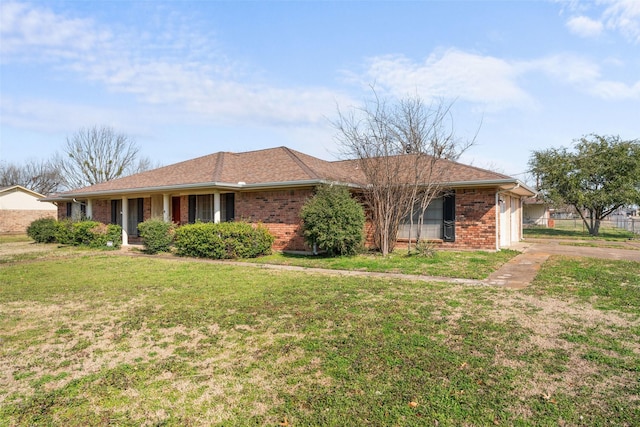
(43, 230)
(225, 240)
(157, 235)
(82, 233)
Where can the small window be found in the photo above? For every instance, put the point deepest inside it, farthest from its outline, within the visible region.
(432, 221)
(438, 221)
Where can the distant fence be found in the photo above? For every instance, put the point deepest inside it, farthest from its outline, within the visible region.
(624, 222)
(628, 223)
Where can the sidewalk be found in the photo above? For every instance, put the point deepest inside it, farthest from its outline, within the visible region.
(520, 271)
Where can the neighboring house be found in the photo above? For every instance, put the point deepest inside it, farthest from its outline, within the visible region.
(19, 207)
(535, 211)
(482, 211)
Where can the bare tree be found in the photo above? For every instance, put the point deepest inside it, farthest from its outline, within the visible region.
(401, 149)
(98, 154)
(40, 176)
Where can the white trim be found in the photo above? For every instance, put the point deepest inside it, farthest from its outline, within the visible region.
(125, 221)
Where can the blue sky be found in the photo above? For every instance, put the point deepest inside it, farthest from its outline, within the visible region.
(189, 78)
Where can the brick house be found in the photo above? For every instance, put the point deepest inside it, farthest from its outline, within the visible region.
(483, 209)
(19, 207)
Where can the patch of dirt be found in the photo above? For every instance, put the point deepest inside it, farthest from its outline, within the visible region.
(19, 248)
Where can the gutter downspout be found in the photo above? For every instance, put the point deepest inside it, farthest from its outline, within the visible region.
(499, 212)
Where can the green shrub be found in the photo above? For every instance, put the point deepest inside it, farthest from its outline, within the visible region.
(85, 232)
(43, 230)
(65, 232)
(199, 240)
(88, 233)
(223, 241)
(101, 234)
(157, 235)
(333, 221)
(242, 240)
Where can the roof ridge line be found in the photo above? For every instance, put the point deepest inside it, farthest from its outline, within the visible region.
(302, 164)
(217, 172)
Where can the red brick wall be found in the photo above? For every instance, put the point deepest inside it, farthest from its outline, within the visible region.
(16, 221)
(62, 211)
(101, 211)
(475, 220)
(279, 211)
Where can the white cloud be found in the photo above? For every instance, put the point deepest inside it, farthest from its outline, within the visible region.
(28, 30)
(583, 75)
(174, 67)
(584, 26)
(491, 83)
(59, 117)
(621, 16)
(451, 74)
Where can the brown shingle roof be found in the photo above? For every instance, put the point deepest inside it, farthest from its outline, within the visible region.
(274, 165)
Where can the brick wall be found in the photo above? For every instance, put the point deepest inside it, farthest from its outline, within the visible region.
(475, 220)
(101, 211)
(17, 221)
(279, 211)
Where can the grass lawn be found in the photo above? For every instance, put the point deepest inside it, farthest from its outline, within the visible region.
(95, 339)
(465, 265)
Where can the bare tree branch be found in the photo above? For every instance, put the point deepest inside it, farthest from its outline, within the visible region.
(399, 147)
(98, 154)
(40, 176)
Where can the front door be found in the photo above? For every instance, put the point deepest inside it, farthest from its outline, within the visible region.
(175, 210)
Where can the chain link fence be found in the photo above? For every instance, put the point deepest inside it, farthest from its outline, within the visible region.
(628, 223)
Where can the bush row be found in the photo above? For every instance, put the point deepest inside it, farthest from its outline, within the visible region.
(225, 240)
(87, 233)
(206, 240)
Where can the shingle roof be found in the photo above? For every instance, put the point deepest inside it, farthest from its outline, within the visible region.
(280, 165)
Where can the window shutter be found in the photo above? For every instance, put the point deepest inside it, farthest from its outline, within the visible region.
(69, 209)
(230, 206)
(115, 212)
(192, 209)
(140, 210)
(449, 218)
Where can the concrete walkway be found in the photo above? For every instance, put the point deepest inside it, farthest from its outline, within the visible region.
(520, 271)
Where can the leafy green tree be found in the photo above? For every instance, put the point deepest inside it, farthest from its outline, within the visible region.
(333, 221)
(601, 175)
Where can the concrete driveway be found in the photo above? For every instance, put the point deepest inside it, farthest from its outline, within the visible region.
(521, 270)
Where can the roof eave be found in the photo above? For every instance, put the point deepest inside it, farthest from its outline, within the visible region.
(504, 184)
(240, 186)
(513, 185)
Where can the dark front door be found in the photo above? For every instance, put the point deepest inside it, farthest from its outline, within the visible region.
(175, 210)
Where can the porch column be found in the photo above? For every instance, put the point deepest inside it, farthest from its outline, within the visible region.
(166, 212)
(216, 207)
(125, 221)
(89, 212)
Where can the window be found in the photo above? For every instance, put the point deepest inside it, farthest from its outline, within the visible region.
(431, 222)
(438, 221)
(76, 210)
(202, 207)
(136, 214)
